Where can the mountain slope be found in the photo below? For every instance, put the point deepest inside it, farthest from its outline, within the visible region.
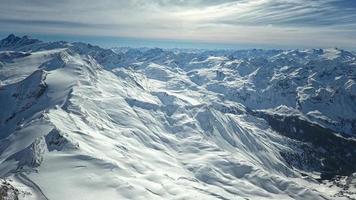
(163, 125)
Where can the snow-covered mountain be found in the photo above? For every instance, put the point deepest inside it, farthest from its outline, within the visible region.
(81, 122)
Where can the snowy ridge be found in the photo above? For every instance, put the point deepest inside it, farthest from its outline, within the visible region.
(81, 122)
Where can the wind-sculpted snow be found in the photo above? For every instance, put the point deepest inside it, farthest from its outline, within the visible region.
(81, 122)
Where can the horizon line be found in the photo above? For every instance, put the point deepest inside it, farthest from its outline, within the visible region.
(108, 42)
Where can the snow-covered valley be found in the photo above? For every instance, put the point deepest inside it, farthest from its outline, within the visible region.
(81, 122)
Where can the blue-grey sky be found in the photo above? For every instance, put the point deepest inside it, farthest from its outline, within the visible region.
(186, 23)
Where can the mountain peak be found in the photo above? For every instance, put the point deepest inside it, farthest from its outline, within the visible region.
(13, 42)
(11, 36)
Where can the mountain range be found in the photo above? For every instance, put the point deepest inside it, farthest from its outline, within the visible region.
(78, 121)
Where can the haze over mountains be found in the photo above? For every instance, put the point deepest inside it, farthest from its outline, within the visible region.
(81, 122)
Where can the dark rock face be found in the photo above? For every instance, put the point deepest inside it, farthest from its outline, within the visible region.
(25, 95)
(12, 42)
(7, 191)
(10, 56)
(31, 156)
(21, 96)
(321, 149)
(55, 140)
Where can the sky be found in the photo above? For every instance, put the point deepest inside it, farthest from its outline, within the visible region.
(186, 23)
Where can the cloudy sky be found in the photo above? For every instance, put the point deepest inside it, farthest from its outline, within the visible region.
(218, 23)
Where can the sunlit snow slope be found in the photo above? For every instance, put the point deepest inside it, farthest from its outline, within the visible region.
(81, 122)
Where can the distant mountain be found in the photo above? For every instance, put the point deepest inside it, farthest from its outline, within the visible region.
(105, 57)
(14, 42)
(79, 121)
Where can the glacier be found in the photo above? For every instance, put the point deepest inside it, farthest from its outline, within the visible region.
(78, 121)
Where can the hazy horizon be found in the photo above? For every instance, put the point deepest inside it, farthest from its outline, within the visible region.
(116, 42)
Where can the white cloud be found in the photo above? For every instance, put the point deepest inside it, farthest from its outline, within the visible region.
(287, 22)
